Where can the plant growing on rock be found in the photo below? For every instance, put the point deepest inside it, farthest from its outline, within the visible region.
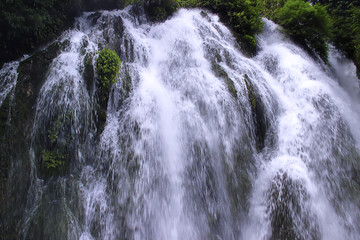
(107, 67)
(52, 160)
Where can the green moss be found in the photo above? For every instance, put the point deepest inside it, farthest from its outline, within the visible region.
(59, 126)
(56, 145)
(220, 72)
(258, 112)
(251, 94)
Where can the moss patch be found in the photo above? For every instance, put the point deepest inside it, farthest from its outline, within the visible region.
(220, 72)
(258, 112)
(251, 94)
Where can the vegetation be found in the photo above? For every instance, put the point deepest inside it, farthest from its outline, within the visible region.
(345, 16)
(58, 141)
(243, 17)
(308, 25)
(107, 67)
(27, 24)
(311, 24)
(52, 160)
(340, 27)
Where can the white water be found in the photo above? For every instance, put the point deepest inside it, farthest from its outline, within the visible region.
(178, 157)
(316, 115)
(8, 76)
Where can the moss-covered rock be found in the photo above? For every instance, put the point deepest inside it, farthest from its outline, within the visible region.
(56, 143)
(220, 73)
(258, 112)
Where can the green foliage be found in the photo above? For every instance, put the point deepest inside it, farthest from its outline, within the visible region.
(160, 10)
(337, 4)
(57, 145)
(243, 17)
(107, 67)
(187, 3)
(270, 6)
(338, 23)
(52, 160)
(26, 24)
(355, 39)
(58, 127)
(309, 26)
(346, 30)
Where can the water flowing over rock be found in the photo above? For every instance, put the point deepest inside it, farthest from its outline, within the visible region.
(196, 141)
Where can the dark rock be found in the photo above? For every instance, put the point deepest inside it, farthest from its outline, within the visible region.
(220, 73)
(289, 216)
(17, 115)
(89, 73)
(261, 123)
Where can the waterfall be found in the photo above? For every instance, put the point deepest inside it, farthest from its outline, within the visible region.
(200, 141)
(8, 75)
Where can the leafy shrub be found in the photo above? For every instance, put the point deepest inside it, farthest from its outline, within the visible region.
(242, 16)
(107, 67)
(346, 30)
(24, 24)
(270, 6)
(309, 26)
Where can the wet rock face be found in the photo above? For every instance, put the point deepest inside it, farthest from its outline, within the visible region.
(32, 74)
(17, 114)
(260, 121)
(287, 207)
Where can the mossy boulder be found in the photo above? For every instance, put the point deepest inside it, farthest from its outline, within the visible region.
(258, 112)
(220, 73)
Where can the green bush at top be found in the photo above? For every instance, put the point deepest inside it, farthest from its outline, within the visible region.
(242, 16)
(270, 6)
(345, 16)
(307, 25)
(107, 67)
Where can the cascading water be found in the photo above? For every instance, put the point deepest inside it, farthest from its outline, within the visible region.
(200, 141)
(8, 76)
